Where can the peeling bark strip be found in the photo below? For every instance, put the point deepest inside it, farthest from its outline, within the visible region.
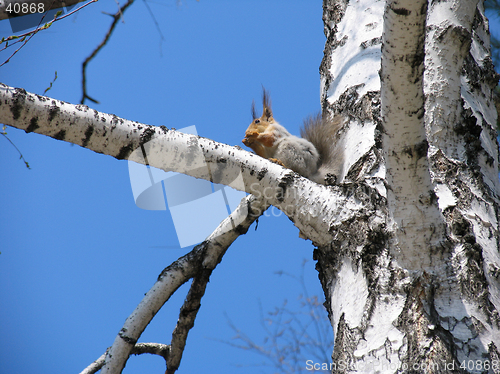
(425, 262)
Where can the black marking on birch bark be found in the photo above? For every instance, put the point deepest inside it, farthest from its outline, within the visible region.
(33, 125)
(88, 134)
(473, 283)
(241, 230)
(375, 243)
(459, 32)
(61, 135)
(261, 174)
(401, 11)
(418, 150)
(84, 108)
(124, 152)
(420, 310)
(147, 134)
(53, 111)
(41, 98)
(423, 10)
(126, 338)
(330, 179)
(364, 165)
(371, 42)
(283, 185)
(115, 120)
(421, 149)
(471, 132)
(350, 105)
(253, 212)
(17, 107)
(489, 75)
(145, 155)
(433, 197)
(345, 343)
(494, 352)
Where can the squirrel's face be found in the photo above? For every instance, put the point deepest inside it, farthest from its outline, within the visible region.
(256, 128)
(260, 134)
(257, 131)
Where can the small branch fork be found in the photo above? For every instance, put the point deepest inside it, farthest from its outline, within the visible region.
(197, 264)
(140, 348)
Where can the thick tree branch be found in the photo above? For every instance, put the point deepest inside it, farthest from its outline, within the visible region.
(197, 264)
(199, 157)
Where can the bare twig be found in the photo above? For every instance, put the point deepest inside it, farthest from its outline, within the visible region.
(139, 349)
(292, 337)
(162, 350)
(4, 133)
(7, 11)
(162, 38)
(27, 38)
(22, 37)
(51, 83)
(116, 18)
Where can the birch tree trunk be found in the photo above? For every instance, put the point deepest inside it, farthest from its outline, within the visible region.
(413, 282)
(407, 242)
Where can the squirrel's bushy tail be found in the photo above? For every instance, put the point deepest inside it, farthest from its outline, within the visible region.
(324, 134)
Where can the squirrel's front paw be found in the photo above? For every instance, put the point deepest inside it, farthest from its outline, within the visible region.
(248, 142)
(276, 161)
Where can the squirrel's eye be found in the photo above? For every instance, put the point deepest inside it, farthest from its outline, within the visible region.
(256, 121)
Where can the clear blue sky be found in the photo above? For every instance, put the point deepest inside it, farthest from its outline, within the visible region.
(77, 255)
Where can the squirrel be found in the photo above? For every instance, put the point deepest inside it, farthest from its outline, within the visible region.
(317, 155)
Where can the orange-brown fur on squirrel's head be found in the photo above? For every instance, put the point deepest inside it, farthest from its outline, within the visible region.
(259, 134)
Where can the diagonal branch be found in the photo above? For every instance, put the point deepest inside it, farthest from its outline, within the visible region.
(116, 17)
(196, 156)
(197, 264)
(187, 315)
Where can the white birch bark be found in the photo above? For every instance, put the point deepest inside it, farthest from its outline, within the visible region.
(426, 272)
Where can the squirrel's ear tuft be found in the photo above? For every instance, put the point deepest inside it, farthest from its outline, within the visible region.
(254, 112)
(266, 102)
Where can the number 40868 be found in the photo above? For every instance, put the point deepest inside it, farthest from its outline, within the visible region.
(25, 8)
